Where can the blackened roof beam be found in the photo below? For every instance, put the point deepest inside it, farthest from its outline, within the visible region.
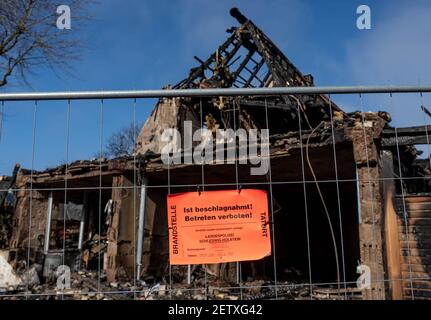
(406, 136)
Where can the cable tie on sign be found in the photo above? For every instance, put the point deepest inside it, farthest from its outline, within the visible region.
(199, 189)
(239, 189)
(269, 222)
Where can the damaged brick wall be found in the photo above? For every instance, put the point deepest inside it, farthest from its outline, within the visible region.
(164, 116)
(367, 128)
(34, 202)
(414, 228)
(122, 229)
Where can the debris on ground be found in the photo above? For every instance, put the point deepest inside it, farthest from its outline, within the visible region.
(8, 277)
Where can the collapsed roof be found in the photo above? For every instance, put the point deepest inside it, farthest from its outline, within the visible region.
(247, 59)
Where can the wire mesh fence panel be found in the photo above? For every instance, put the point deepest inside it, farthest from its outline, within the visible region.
(94, 209)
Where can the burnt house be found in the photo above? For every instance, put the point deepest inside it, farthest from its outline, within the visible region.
(347, 189)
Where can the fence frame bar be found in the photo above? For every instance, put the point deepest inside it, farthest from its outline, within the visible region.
(168, 93)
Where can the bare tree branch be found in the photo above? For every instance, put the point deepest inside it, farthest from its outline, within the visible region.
(29, 37)
(123, 142)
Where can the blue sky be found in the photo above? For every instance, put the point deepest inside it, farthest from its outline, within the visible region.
(138, 44)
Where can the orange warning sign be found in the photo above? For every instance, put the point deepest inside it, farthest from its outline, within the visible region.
(218, 226)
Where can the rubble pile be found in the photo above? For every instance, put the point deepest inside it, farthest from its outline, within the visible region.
(30, 283)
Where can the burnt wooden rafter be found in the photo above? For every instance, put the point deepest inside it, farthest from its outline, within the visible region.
(248, 58)
(406, 136)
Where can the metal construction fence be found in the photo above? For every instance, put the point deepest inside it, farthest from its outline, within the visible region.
(356, 256)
